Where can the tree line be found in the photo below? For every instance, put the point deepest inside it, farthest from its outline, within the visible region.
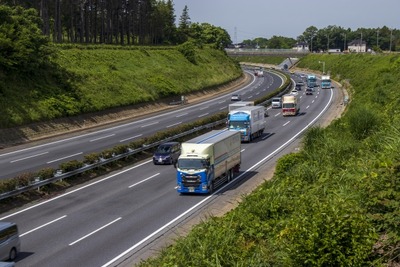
(123, 22)
(334, 37)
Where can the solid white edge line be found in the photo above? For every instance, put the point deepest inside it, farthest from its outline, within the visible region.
(75, 190)
(207, 198)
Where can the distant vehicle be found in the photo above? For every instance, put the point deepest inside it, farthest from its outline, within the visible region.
(301, 83)
(240, 104)
(276, 102)
(167, 153)
(249, 121)
(311, 81)
(10, 244)
(290, 105)
(298, 87)
(309, 91)
(208, 161)
(302, 75)
(236, 97)
(325, 82)
(294, 92)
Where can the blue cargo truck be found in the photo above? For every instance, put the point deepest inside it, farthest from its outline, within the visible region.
(311, 81)
(249, 121)
(208, 161)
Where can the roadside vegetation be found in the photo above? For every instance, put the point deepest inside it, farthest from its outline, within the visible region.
(334, 203)
(87, 79)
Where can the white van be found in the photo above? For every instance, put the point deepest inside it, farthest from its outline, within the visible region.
(10, 244)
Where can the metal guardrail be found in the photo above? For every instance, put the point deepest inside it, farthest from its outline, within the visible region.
(60, 176)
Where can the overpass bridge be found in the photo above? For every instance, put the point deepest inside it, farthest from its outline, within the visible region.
(289, 53)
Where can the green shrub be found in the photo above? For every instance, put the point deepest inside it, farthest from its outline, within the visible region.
(70, 166)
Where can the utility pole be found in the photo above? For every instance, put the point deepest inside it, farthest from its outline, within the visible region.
(377, 36)
(390, 47)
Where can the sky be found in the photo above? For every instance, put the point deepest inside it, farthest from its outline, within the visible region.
(249, 19)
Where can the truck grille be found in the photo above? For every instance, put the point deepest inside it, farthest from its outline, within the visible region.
(191, 181)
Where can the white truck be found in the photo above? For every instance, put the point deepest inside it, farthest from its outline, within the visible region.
(240, 104)
(290, 105)
(208, 161)
(249, 121)
(326, 82)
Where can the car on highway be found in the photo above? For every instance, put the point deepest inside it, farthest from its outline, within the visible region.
(276, 102)
(294, 92)
(167, 153)
(309, 91)
(236, 97)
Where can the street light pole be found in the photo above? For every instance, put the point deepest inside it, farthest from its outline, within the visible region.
(327, 50)
(344, 45)
(390, 47)
(323, 66)
(377, 34)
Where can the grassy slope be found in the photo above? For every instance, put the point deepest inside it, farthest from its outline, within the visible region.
(84, 80)
(329, 204)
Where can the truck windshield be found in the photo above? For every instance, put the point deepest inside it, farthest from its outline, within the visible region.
(288, 105)
(237, 124)
(192, 164)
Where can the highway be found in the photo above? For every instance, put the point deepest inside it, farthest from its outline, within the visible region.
(119, 214)
(24, 159)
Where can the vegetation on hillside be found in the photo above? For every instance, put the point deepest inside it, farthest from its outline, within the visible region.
(40, 81)
(94, 79)
(334, 203)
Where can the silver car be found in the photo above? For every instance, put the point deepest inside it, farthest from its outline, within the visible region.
(276, 102)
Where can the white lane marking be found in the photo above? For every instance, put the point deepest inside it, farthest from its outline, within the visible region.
(181, 115)
(202, 115)
(286, 123)
(307, 107)
(36, 155)
(130, 138)
(223, 101)
(313, 101)
(100, 138)
(76, 190)
(203, 108)
(172, 125)
(95, 231)
(144, 180)
(128, 124)
(222, 188)
(150, 124)
(70, 156)
(223, 108)
(277, 114)
(39, 227)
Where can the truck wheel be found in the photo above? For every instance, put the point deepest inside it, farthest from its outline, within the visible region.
(211, 189)
(230, 175)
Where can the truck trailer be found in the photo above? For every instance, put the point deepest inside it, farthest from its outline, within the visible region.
(240, 104)
(249, 121)
(208, 161)
(326, 82)
(290, 105)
